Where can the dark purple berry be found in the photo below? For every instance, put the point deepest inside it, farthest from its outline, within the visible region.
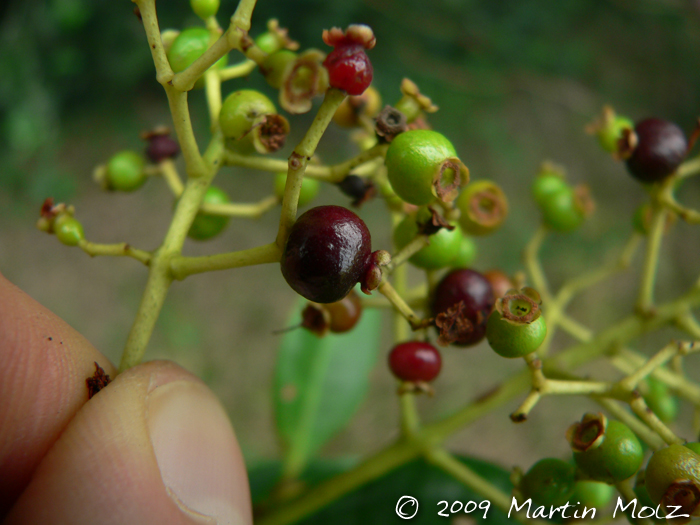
(461, 306)
(660, 148)
(327, 253)
(415, 361)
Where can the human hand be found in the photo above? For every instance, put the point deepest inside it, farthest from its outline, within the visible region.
(155, 446)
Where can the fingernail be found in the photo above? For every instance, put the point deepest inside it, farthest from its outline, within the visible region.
(197, 453)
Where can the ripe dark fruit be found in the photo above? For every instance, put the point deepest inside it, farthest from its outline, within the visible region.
(657, 149)
(329, 251)
(461, 306)
(415, 361)
(348, 66)
(161, 146)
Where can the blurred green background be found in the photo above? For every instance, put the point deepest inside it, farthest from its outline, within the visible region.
(516, 82)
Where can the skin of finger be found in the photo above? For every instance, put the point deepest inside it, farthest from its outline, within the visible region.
(45, 364)
(106, 457)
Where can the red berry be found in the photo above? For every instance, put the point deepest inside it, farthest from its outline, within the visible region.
(660, 148)
(415, 361)
(462, 304)
(328, 251)
(349, 68)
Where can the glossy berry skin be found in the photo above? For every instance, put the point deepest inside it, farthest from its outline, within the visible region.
(415, 361)
(205, 226)
(660, 400)
(466, 254)
(616, 458)
(669, 464)
(514, 339)
(475, 291)
(68, 230)
(349, 68)
(125, 171)
(660, 149)
(243, 109)
(593, 494)
(327, 253)
(443, 248)
(414, 162)
(309, 188)
(189, 45)
(550, 481)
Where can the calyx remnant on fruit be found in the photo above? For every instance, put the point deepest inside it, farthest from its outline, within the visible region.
(587, 434)
(520, 307)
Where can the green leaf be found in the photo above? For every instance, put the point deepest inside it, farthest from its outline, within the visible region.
(375, 503)
(319, 384)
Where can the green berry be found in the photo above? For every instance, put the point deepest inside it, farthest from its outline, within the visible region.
(125, 171)
(276, 66)
(205, 226)
(422, 165)
(309, 188)
(606, 451)
(242, 110)
(593, 494)
(443, 248)
(668, 466)
(611, 132)
(466, 254)
(643, 498)
(483, 207)
(189, 45)
(516, 327)
(661, 401)
(561, 212)
(550, 481)
(546, 184)
(268, 42)
(68, 229)
(204, 8)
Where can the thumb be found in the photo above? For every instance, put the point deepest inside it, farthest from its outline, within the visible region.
(155, 446)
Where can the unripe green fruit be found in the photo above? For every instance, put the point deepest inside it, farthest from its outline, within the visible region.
(189, 45)
(547, 184)
(309, 188)
(467, 253)
(669, 465)
(483, 207)
(275, 66)
(125, 171)
(422, 165)
(606, 451)
(442, 250)
(268, 42)
(609, 134)
(516, 327)
(593, 494)
(561, 212)
(68, 230)
(513, 339)
(243, 109)
(205, 226)
(661, 401)
(550, 481)
(204, 8)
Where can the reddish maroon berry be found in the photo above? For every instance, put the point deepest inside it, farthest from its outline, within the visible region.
(348, 66)
(461, 306)
(415, 361)
(349, 69)
(161, 147)
(327, 253)
(660, 148)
